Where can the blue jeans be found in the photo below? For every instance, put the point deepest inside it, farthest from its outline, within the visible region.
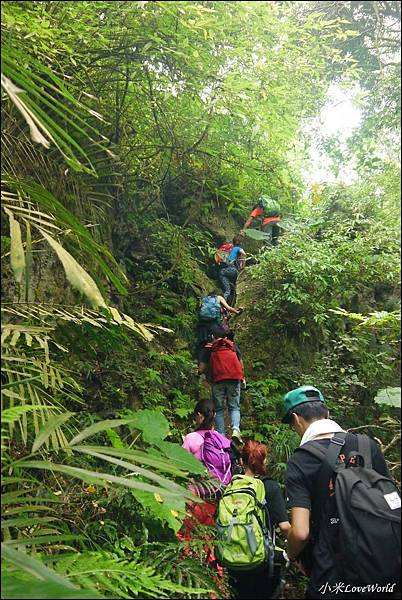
(228, 389)
(228, 276)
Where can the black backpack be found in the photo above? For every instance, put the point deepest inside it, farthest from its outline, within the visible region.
(369, 510)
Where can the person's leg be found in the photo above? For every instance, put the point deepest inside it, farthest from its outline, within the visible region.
(232, 275)
(233, 395)
(227, 278)
(275, 234)
(218, 395)
(268, 230)
(240, 583)
(225, 282)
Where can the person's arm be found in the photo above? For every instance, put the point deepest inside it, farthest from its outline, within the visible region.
(299, 531)
(248, 223)
(256, 212)
(299, 503)
(284, 526)
(277, 506)
(241, 259)
(227, 306)
(242, 368)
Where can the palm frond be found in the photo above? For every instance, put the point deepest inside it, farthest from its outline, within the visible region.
(44, 100)
(58, 220)
(50, 314)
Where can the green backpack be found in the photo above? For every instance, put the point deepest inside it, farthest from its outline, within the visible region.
(270, 206)
(243, 526)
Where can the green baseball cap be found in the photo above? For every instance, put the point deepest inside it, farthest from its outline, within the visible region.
(305, 393)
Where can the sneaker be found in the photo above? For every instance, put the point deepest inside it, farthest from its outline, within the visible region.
(236, 436)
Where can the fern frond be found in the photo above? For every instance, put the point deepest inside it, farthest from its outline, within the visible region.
(122, 578)
(186, 564)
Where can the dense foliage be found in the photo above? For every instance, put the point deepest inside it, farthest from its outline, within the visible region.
(136, 136)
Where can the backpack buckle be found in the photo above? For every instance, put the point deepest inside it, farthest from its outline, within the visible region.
(337, 441)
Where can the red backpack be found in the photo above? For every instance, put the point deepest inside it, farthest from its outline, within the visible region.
(224, 362)
(222, 254)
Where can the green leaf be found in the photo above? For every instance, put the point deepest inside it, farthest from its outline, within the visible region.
(166, 483)
(256, 234)
(96, 428)
(181, 457)
(75, 274)
(170, 511)
(94, 477)
(20, 382)
(10, 415)
(31, 565)
(48, 428)
(28, 508)
(14, 586)
(153, 425)
(36, 540)
(155, 459)
(26, 521)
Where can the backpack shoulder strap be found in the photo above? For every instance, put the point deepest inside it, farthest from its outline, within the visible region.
(222, 342)
(329, 458)
(364, 448)
(336, 444)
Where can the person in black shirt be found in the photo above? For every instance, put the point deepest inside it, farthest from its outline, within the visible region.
(308, 415)
(256, 584)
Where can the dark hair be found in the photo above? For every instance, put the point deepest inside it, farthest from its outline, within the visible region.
(236, 240)
(207, 409)
(254, 455)
(311, 411)
(230, 335)
(213, 293)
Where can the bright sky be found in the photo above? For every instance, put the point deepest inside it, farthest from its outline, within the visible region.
(339, 117)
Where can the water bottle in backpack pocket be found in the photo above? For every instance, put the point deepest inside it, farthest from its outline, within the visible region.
(245, 540)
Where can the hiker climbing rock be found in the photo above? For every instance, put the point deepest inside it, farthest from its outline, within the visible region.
(214, 311)
(345, 508)
(212, 449)
(223, 357)
(269, 210)
(231, 259)
(209, 446)
(251, 507)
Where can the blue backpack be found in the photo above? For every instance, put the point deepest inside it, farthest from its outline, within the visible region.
(210, 309)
